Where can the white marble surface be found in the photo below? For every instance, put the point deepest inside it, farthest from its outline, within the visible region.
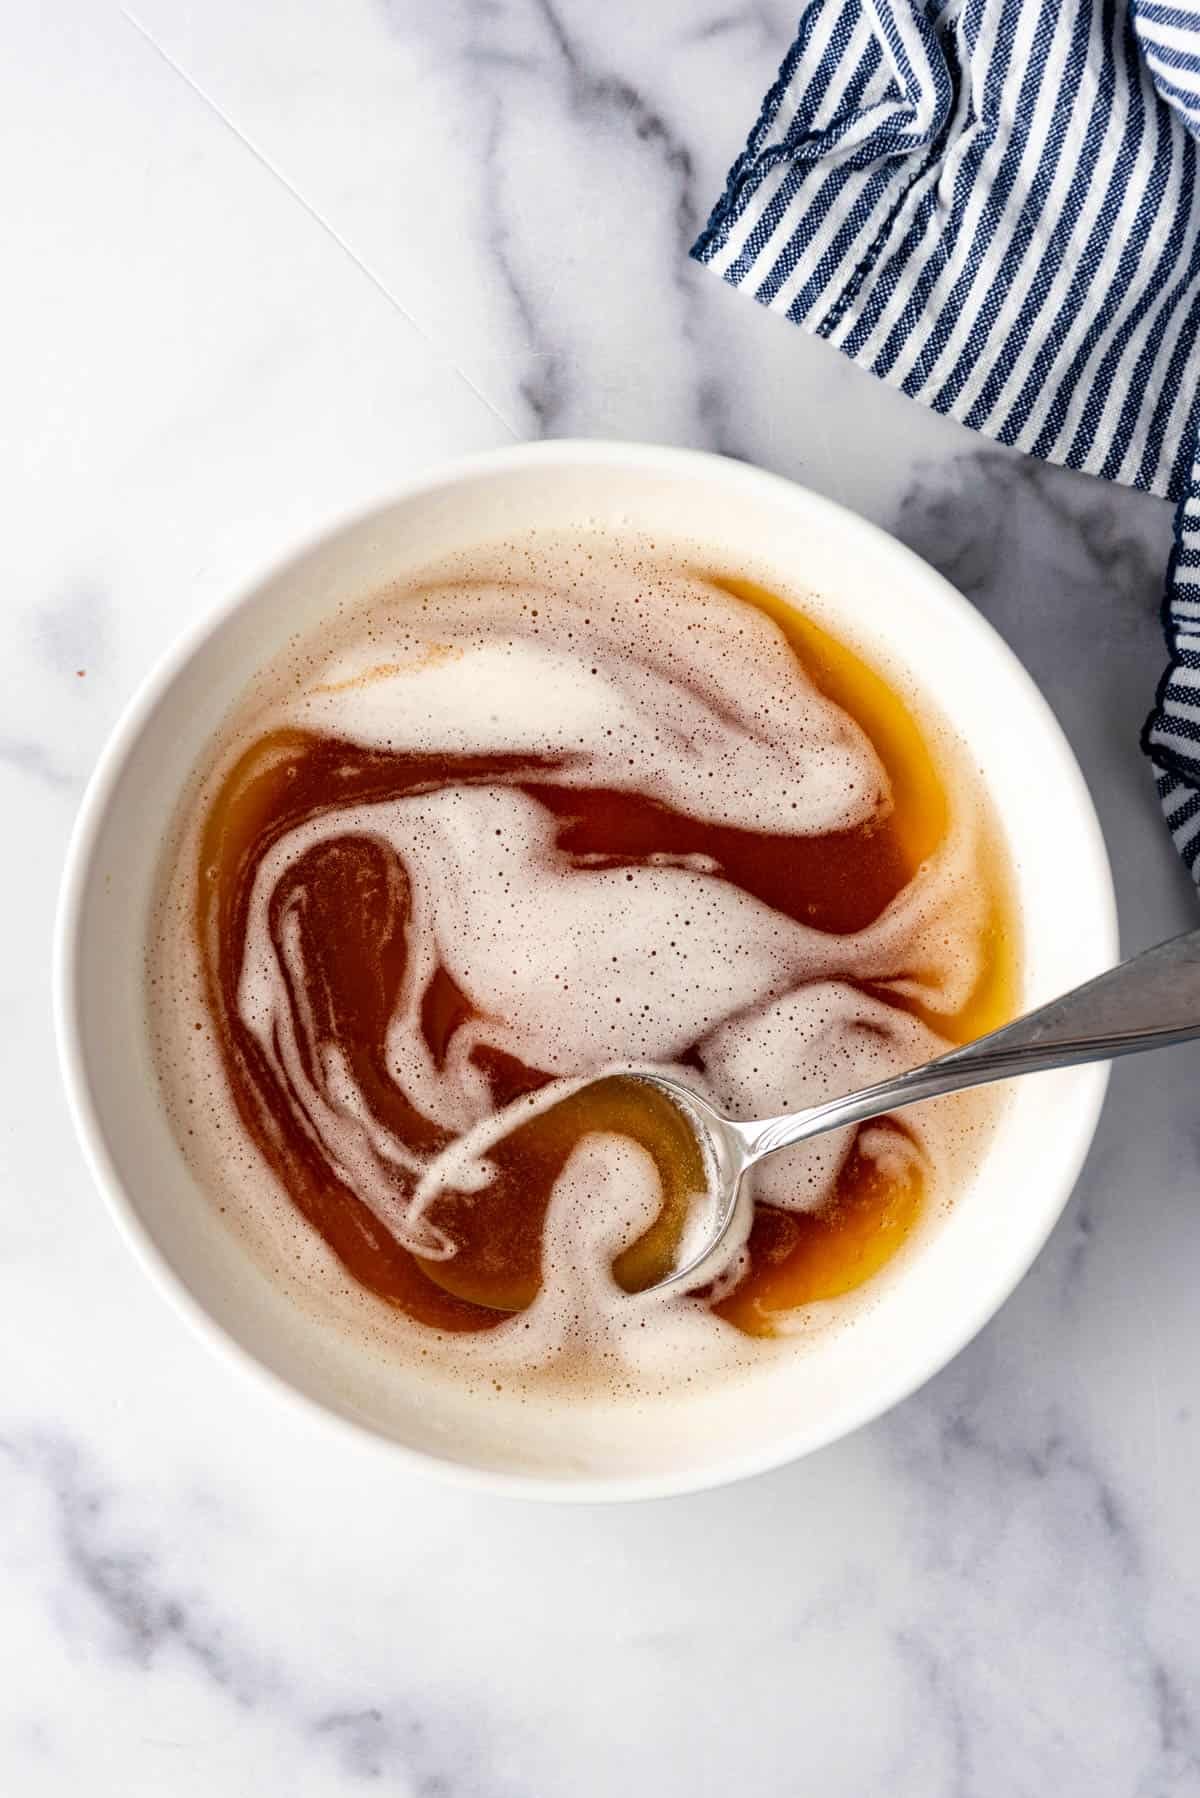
(261, 261)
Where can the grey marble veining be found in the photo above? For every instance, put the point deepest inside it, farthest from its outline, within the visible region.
(271, 260)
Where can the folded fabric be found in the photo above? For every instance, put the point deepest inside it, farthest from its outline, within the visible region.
(994, 206)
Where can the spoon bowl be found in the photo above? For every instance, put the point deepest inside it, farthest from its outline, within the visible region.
(727, 1151)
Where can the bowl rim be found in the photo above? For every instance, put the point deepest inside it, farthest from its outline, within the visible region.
(781, 1448)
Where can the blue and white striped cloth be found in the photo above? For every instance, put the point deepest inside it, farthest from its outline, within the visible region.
(994, 205)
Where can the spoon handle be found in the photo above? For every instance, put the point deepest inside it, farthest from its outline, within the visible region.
(1146, 1003)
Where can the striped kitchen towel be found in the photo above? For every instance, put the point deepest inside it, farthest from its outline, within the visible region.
(994, 205)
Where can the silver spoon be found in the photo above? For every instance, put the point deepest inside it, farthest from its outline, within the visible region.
(1147, 1003)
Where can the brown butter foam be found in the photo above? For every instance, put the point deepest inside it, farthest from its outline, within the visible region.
(569, 808)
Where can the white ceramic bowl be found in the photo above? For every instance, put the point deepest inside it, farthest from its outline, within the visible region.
(873, 593)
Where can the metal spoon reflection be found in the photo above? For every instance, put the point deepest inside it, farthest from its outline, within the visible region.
(1148, 1002)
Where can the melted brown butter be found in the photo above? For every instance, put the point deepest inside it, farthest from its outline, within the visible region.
(350, 906)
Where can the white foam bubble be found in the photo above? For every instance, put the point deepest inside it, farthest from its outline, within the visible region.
(644, 683)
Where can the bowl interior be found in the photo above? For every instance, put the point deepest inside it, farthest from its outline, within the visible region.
(875, 595)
